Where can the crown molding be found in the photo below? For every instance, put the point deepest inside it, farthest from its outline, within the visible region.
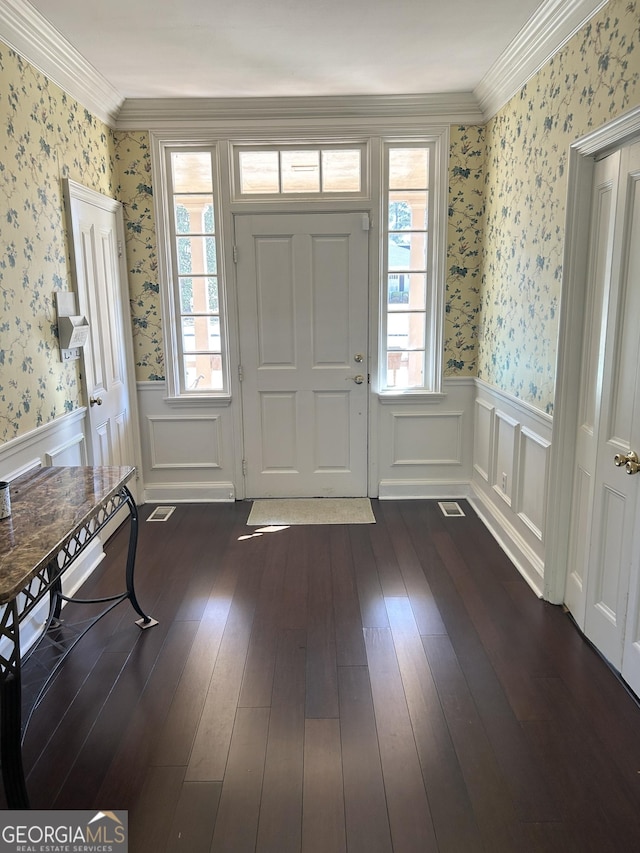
(27, 32)
(170, 113)
(546, 32)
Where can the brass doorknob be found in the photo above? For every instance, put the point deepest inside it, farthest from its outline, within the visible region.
(95, 401)
(630, 461)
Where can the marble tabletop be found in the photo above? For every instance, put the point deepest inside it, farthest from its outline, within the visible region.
(47, 506)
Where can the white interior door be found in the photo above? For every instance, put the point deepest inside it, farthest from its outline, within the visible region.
(98, 244)
(602, 589)
(303, 308)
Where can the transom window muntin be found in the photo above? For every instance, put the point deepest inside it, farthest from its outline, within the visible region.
(406, 265)
(323, 170)
(196, 281)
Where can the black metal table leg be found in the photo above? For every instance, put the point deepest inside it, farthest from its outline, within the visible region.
(145, 621)
(11, 715)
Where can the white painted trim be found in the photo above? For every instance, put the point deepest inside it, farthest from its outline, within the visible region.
(562, 459)
(190, 493)
(546, 32)
(423, 490)
(358, 110)
(526, 561)
(543, 418)
(200, 464)
(78, 439)
(27, 32)
(37, 437)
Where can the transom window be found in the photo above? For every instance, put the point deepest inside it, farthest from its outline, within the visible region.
(303, 170)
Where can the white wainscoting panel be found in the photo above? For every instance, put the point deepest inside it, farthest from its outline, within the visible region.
(512, 443)
(424, 444)
(483, 438)
(533, 468)
(60, 442)
(180, 442)
(427, 438)
(191, 451)
(506, 434)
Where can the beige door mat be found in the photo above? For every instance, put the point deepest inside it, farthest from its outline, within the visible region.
(311, 511)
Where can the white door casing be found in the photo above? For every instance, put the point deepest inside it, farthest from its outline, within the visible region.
(602, 586)
(303, 309)
(98, 250)
(603, 209)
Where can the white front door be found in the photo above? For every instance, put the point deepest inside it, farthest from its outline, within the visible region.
(98, 244)
(303, 308)
(602, 588)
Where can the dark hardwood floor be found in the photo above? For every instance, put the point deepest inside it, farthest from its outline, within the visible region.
(367, 688)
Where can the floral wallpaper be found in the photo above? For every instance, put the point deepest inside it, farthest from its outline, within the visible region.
(45, 136)
(593, 79)
(134, 189)
(464, 250)
(505, 237)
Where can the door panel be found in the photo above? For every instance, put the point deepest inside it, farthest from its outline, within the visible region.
(303, 307)
(96, 229)
(608, 521)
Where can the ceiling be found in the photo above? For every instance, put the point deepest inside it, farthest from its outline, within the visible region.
(240, 48)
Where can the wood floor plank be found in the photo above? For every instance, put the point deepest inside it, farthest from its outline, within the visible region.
(422, 599)
(321, 670)
(385, 556)
(151, 819)
(91, 765)
(511, 750)
(208, 757)
(370, 595)
(294, 593)
(70, 731)
(366, 820)
(179, 731)
(238, 812)
(257, 681)
(122, 782)
(350, 650)
(323, 821)
(407, 804)
(451, 811)
(492, 803)
(281, 804)
(195, 818)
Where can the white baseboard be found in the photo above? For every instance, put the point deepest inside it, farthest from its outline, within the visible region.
(190, 493)
(527, 562)
(422, 490)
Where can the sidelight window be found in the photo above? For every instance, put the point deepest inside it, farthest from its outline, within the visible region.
(199, 364)
(410, 286)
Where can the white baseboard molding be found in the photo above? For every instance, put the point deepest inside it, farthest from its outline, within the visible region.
(526, 561)
(422, 490)
(189, 493)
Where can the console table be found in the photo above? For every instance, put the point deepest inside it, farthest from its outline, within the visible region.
(56, 514)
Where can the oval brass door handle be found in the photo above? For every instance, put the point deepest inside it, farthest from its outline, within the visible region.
(95, 401)
(358, 379)
(629, 460)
